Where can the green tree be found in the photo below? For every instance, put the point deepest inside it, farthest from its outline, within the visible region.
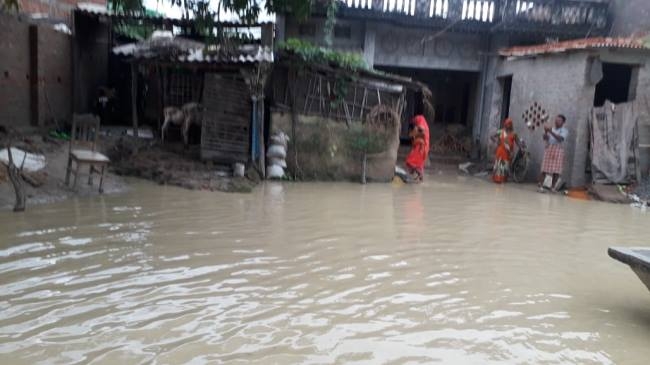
(246, 10)
(9, 5)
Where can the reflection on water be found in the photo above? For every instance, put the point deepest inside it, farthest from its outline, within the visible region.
(448, 271)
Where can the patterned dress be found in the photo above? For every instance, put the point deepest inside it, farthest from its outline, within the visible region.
(554, 153)
(416, 159)
(503, 156)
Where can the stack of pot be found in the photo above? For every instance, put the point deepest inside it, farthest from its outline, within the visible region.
(276, 155)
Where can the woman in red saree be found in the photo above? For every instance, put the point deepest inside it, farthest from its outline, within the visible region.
(419, 154)
(507, 138)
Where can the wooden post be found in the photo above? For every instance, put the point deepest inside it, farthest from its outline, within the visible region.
(161, 98)
(33, 75)
(134, 98)
(267, 35)
(14, 176)
(165, 82)
(294, 118)
(254, 130)
(262, 159)
(635, 144)
(363, 168)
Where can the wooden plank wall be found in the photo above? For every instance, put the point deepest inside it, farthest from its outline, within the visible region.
(225, 136)
(184, 87)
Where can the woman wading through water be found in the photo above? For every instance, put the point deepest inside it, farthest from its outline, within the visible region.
(416, 159)
(507, 139)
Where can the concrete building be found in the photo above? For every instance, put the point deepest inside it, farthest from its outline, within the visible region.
(570, 78)
(453, 46)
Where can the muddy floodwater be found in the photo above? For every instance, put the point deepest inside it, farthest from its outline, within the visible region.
(455, 271)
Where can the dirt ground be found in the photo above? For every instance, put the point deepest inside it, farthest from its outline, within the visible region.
(171, 164)
(53, 186)
(482, 170)
(147, 159)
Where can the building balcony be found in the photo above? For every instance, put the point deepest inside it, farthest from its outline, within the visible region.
(551, 17)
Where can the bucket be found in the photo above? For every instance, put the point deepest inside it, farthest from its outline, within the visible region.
(238, 170)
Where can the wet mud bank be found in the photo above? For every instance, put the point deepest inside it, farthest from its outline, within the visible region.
(171, 164)
(48, 185)
(166, 165)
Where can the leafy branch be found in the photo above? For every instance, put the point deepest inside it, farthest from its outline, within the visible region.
(330, 22)
(310, 53)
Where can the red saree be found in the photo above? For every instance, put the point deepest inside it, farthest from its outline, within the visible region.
(503, 155)
(417, 158)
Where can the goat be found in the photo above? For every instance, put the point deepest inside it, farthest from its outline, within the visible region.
(189, 114)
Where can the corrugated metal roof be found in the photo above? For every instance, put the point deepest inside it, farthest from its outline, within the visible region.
(248, 54)
(188, 51)
(574, 45)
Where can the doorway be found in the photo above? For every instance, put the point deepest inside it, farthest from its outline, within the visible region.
(616, 85)
(454, 97)
(506, 88)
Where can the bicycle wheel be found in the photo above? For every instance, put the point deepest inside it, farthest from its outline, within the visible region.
(520, 168)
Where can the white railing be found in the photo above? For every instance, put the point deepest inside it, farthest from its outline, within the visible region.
(566, 12)
(480, 10)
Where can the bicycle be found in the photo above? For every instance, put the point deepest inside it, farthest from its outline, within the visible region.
(519, 165)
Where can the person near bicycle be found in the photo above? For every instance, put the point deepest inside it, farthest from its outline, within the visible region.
(555, 139)
(506, 139)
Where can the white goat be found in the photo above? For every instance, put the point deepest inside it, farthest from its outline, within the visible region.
(189, 114)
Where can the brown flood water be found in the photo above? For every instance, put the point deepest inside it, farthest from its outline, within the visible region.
(453, 271)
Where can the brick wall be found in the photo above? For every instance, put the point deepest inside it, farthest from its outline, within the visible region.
(14, 72)
(55, 75)
(55, 9)
(54, 85)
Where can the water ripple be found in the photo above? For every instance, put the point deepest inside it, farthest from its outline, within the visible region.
(449, 272)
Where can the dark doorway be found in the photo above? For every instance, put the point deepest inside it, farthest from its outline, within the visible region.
(615, 84)
(454, 96)
(506, 89)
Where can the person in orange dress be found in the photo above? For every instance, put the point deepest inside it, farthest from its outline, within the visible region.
(506, 138)
(416, 159)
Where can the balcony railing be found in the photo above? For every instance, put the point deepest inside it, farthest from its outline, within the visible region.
(508, 14)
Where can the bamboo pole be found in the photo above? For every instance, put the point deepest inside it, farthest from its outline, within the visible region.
(134, 98)
(262, 161)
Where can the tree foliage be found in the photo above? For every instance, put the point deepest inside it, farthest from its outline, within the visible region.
(207, 13)
(125, 5)
(330, 22)
(9, 5)
(310, 53)
(247, 11)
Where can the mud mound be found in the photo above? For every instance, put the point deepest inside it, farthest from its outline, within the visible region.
(171, 165)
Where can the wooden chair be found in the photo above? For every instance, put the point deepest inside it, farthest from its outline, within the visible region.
(83, 142)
